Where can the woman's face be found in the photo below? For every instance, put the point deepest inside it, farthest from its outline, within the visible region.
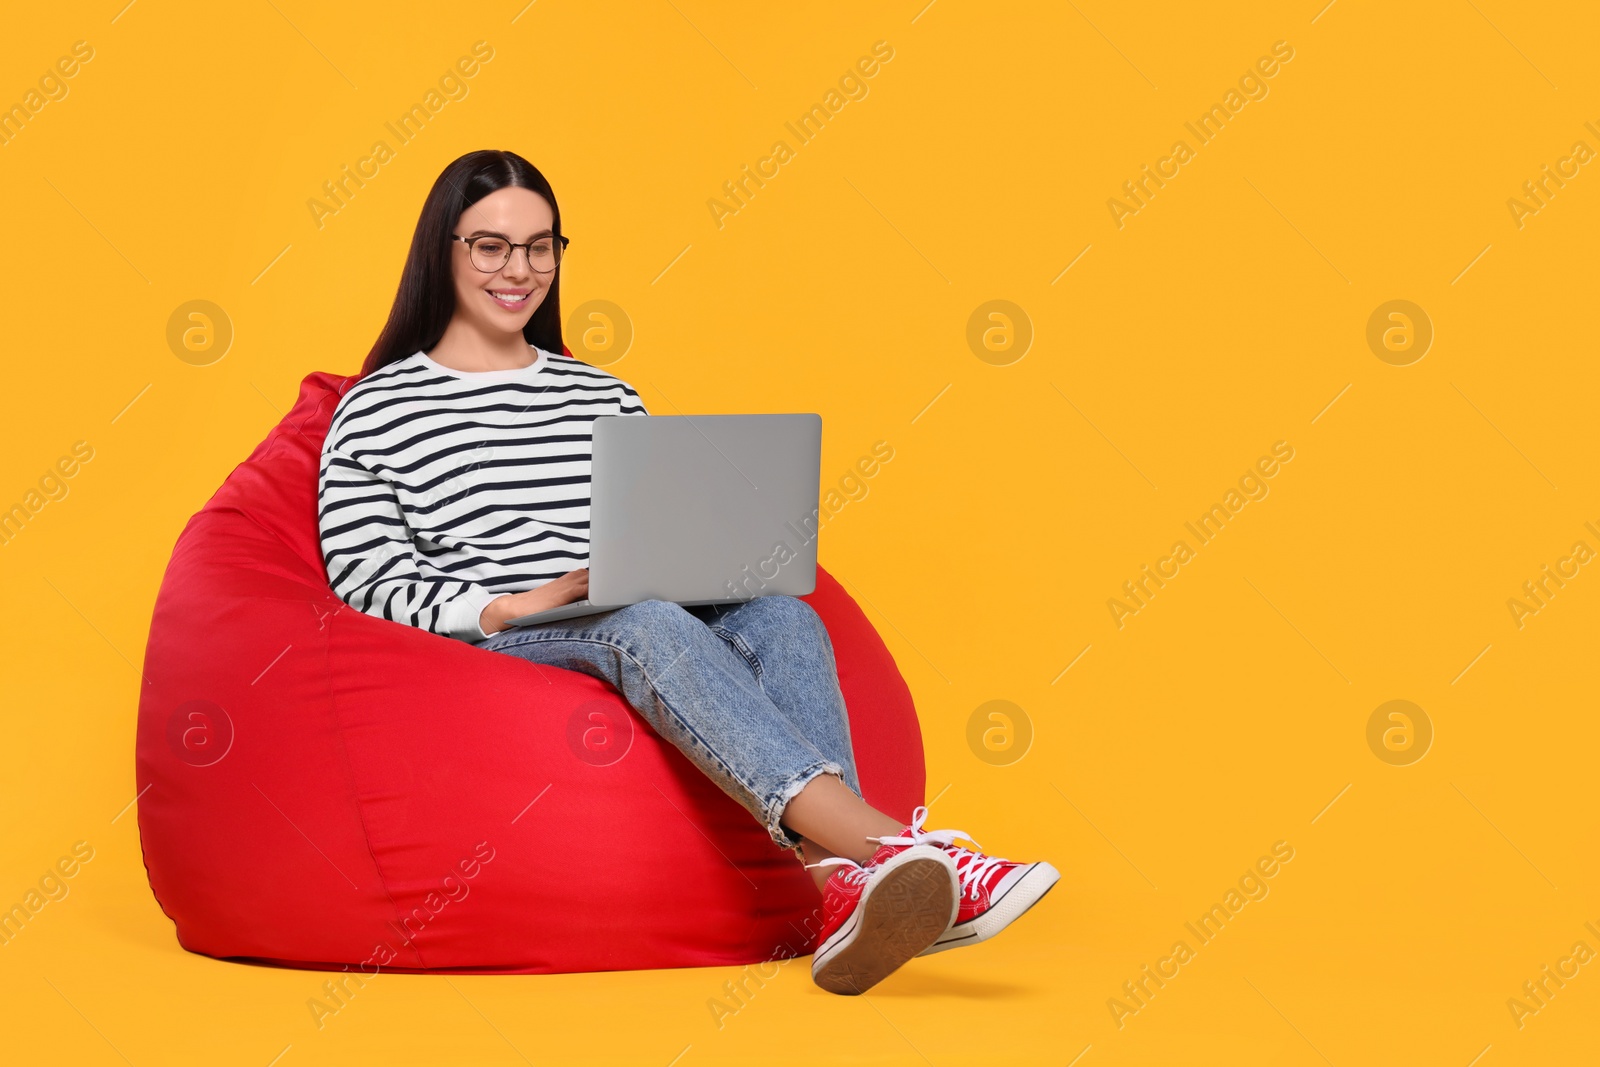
(504, 301)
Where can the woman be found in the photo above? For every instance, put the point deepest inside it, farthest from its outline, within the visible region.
(454, 496)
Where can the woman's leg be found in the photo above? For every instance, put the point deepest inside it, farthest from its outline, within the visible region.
(791, 657)
(787, 648)
(828, 810)
(701, 695)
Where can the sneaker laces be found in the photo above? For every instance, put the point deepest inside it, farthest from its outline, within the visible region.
(859, 874)
(972, 865)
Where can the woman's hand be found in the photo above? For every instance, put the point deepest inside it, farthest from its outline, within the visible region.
(573, 585)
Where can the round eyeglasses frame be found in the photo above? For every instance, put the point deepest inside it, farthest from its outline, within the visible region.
(526, 246)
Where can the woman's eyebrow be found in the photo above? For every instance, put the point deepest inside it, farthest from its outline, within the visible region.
(497, 233)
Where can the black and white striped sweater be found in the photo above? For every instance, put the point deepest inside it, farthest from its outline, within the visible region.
(441, 489)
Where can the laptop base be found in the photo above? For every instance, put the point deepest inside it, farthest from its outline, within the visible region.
(579, 608)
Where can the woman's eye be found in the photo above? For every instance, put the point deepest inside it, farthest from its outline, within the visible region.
(541, 248)
(491, 248)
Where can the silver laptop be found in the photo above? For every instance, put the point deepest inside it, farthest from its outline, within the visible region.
(699, 509)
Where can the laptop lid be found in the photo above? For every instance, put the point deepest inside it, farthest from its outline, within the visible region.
(703, 508)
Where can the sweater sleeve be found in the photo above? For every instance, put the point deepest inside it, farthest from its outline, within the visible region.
(372, 564)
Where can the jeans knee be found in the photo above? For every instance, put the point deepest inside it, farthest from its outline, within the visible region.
(790, 615)
(781, 607)
(654, 618)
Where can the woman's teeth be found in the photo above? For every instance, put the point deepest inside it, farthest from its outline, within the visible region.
(509, 298)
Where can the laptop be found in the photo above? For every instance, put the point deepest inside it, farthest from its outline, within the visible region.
(699, 509)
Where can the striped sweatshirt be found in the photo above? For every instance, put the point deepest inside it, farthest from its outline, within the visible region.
(441, 489)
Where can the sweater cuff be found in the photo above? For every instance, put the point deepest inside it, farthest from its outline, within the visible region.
(459, 619)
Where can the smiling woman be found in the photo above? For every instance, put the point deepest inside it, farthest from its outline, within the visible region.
(466, 296)
(468, 388)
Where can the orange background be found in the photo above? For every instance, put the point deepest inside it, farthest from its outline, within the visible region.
(1164, 357)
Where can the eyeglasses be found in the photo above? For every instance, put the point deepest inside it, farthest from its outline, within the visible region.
(491, 252)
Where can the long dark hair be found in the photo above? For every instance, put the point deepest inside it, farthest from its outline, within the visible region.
(427, 296)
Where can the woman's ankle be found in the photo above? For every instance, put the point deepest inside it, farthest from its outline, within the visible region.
(827, 810)
(811, 853)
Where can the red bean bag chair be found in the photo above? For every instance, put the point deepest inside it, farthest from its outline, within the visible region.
(321, 788)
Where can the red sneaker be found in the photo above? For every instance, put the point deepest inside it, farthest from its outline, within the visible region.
(994, 891)
(879, 916)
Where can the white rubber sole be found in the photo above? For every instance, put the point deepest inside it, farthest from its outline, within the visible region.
(910, 901)
(1022, 894)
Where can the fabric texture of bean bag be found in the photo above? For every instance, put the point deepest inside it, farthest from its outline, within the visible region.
(321, 788)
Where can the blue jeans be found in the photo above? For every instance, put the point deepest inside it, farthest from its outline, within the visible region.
(748, 692)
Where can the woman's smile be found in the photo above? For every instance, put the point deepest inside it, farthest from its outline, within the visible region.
(510, 299)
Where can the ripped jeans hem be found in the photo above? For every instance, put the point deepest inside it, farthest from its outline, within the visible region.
(780, 800)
